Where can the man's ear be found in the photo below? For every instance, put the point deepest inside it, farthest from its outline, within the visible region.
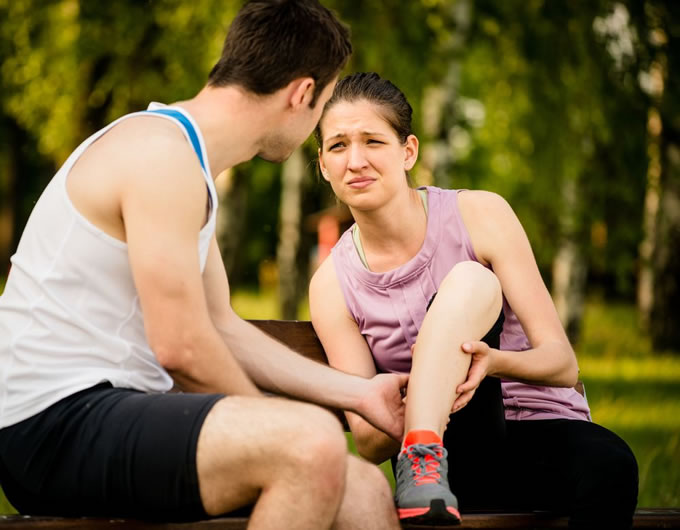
(301, 91)
(410, 152)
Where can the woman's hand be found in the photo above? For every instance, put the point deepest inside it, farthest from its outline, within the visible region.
(480, 367)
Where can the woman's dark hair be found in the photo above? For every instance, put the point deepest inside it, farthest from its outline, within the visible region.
(374, 89)
(272, 42)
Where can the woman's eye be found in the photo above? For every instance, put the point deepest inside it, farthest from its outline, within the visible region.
(372, 141)
(334, 146)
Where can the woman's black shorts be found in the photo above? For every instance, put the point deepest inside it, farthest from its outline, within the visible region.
(108, 452)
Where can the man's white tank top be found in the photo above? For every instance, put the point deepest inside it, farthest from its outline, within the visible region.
(70, 316)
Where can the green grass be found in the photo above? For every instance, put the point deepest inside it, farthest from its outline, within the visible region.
(635, 392)
(631, 389)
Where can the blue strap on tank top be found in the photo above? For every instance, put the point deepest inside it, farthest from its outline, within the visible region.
(189, 129)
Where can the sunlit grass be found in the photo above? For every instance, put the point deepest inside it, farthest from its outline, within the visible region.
(635, 392)
(254, 304)
(262, 305)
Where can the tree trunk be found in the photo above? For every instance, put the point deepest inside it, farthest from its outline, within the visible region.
(439, 103)
(645, 291)
(18, 190)
(569, 269)
(7, 205)
(664, 325)
(232, 189)
(289, 234)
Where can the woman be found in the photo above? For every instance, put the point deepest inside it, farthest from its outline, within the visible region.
(518, 436)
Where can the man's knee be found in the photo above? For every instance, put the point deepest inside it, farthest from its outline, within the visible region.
(369, 475)
(321, 440)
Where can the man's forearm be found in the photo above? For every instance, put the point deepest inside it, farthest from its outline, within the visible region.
(276, 368)
(206, 365)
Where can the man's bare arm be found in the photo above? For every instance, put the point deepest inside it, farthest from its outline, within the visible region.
(275, 367)
(163, 204)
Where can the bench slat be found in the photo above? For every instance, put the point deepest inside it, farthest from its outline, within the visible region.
(645, 518)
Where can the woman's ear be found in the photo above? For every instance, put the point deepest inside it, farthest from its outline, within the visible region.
(322, 167)
(410, 152)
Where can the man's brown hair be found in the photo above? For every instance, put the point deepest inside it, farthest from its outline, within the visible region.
(272, 42)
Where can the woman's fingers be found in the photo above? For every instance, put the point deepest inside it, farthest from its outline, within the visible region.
(462, 400)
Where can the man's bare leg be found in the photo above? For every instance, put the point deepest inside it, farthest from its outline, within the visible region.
(368, 503)
(287, 458)
(466, 306)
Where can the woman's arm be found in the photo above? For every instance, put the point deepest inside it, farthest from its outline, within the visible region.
(499, 240)
(347, 351)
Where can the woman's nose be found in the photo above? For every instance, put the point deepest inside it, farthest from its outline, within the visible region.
(357, 158)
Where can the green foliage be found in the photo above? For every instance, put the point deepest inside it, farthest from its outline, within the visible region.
(5, 507)
(67, 71)
(553, 113)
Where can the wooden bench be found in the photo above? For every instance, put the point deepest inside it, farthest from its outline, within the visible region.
(301, 337)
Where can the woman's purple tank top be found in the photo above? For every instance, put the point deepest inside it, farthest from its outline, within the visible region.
(389, 308)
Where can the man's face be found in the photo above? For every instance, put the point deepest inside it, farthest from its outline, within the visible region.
(279, 145)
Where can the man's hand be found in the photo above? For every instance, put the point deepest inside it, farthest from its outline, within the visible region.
(382, 405)
(480, 367)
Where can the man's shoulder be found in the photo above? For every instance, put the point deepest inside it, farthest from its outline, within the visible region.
(146, 147)
(146, 135)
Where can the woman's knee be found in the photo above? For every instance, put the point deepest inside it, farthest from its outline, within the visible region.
(472, 279)
(610, 472)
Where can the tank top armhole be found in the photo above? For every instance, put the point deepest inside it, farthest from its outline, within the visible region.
(338, 259)
(465, 235)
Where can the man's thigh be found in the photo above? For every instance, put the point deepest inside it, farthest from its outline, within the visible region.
(246, 444)
(108, 452)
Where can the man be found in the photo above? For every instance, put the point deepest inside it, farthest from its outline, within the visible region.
(117, 291)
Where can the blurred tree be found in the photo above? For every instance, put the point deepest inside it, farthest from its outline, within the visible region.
(67, 67)
(539, 101)
(290, 231)
(659, 287)
(540, 98)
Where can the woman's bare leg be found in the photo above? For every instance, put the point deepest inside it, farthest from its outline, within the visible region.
(466, 306)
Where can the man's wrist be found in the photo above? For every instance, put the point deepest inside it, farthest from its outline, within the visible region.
(357, 393)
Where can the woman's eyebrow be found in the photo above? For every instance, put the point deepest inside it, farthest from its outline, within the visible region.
(362, 133)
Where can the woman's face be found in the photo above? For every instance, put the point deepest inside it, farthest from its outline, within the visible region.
(361, 155)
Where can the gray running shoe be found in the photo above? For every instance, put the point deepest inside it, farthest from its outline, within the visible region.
(423, 494)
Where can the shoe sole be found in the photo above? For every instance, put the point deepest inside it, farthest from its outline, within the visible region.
(437, 513)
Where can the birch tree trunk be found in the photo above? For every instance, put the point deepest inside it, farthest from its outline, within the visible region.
(569, 268)
(645, 291)
(659, 285)
(439, 103)
(664, 322)
(232, 189)
(14, 215)
(293, 173)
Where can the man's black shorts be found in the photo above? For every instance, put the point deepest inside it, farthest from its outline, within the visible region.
(108, 452)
